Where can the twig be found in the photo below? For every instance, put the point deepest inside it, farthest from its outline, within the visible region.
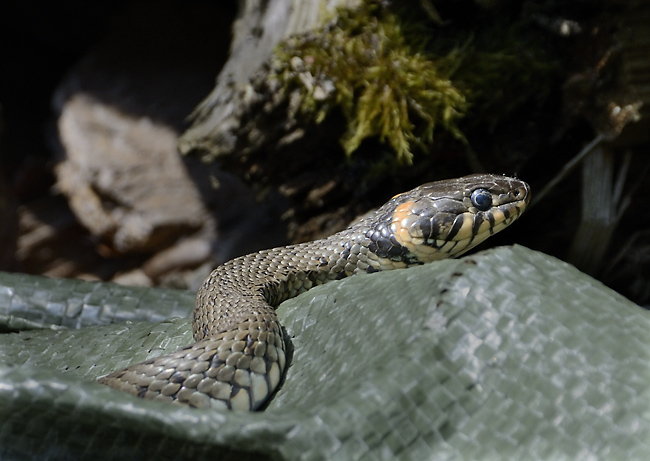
(566, 169)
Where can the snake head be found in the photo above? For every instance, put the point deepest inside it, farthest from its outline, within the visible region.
(444, 219)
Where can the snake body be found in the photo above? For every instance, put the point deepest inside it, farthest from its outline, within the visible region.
(239, 358)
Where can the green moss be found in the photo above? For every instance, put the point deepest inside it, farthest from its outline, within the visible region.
(385, 87)
(400, 77)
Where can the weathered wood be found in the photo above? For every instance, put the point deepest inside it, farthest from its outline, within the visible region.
(260, 26)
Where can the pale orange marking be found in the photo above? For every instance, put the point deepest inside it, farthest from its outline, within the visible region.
(402, 212)
(402, 235)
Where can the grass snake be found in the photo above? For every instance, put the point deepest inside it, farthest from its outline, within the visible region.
(239, 356)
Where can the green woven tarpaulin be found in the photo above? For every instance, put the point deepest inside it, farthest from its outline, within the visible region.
(508, 353)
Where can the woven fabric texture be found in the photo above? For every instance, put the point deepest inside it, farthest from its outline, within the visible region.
(505, 354)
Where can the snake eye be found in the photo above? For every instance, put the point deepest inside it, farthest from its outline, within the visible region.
(481, 199)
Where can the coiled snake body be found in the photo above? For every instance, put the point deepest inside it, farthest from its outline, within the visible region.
(238, 358)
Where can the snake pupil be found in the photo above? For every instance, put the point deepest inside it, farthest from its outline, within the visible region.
(481, 199)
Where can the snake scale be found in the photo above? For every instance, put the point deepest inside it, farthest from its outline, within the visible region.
(239, 357)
